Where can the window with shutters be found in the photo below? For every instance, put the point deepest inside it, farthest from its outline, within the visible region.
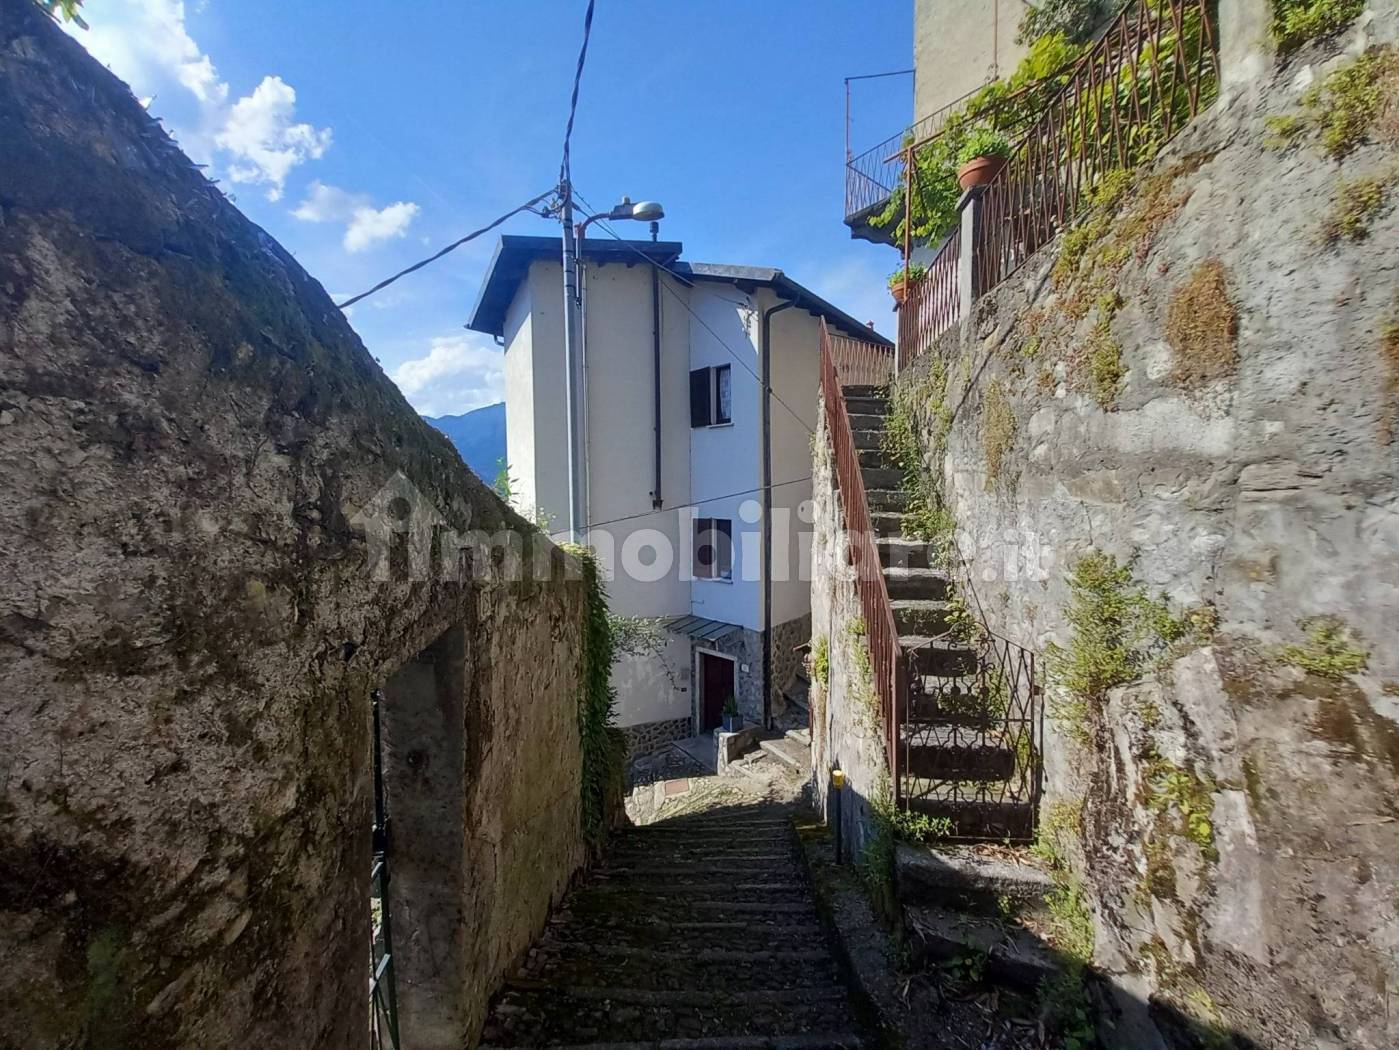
(713, 549)
(711, 396)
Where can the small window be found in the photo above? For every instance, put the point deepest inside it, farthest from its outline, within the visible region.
(713, 549)
(711, 396)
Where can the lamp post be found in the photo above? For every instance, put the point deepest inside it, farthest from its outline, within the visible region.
(574, 337)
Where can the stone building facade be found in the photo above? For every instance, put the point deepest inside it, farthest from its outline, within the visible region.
(199, 598)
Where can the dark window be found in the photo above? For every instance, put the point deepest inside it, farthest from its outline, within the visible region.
(711, 396)
(713, 549)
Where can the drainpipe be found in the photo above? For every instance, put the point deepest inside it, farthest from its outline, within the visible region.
(656, 380)
(765, 372)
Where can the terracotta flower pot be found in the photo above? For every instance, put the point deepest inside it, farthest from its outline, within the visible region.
(979, 171)
(897, 291)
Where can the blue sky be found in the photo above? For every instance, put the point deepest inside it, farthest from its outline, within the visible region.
(365, 135)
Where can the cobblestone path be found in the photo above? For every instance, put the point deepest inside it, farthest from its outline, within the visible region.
(698, 931)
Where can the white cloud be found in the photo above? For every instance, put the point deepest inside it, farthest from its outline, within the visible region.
(364, 224)
(459, 373)
(255, 139)
(263, 139)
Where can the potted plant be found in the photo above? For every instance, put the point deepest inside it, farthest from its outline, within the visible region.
(901, 278)
(733, 721)
(981, 158)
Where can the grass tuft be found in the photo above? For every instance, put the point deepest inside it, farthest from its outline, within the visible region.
(1328, 651)
(1357, 203)
(1357, 102)
(1297, 21)
(998, 429)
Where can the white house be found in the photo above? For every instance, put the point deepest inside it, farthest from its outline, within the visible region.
(673, 472)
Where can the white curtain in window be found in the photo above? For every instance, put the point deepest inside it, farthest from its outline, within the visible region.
(725, 395)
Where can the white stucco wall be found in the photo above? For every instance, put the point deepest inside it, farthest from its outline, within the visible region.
(726, 459)
(544, 288)
(519, 403)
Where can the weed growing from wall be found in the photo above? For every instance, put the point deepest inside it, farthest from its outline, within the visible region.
(1173, 789)
(602, 751)
(1327, 651)
(1297, 21)
(1202, 328)
(928, 518)
(1117, 630)
(1357, 203)
(1358, 102)
(1064, 998)
(821, 661)
(1389, 355)
(998, 428)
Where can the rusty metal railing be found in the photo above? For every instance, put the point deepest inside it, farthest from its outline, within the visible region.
(1153, 70)
(858, 363)
(886, 663)
(932, 304)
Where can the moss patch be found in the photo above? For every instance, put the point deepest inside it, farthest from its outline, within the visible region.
(1202, 327)
(1358, 102)
(821, 661)
(997, 429)
(1328, 650)
(913, 402)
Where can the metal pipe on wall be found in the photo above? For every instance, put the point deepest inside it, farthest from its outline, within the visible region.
(765, 372)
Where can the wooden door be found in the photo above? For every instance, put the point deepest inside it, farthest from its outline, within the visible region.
(716, 686)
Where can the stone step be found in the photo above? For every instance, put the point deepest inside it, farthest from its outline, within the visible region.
(868, 439)
(801, 736)
(538, 1014)
(886, 499)
(784, 868)
(929, 584)
(881, 477)
(975, 820)
(1013, 954)
(613, 966)
(961, 880)
(864, 390)
(887, 523)
(727, 825)
(902, 552)
(974, 763)
(809, 1041)
(962, 710)
(874, 457)
(863, 421)
(938, 657)
(867, 406)
(661, 933)
(919, 616)
(791, 753)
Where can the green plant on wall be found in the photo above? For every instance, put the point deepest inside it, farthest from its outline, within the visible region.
(1297, 21)
(1117, 629)
(601, 753)
(821, 661)
(1356, 103)
(1328, 650)
(1075, 19)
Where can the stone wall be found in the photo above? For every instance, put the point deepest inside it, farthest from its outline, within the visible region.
(1256, 491)
(199, 597)
(845, 727)
(787, 660)
(648, 736)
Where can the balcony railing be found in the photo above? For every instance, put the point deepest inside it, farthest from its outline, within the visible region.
(1153, 70)
(858, 363)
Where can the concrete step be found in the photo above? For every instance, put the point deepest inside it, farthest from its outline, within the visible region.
(886, 499)
(961, 880)
(875, 457)
(805, 1041)
(881, 477)
(801, 736)
(613, 966)
(1013, 954)
(972, 763)
(898, 551)
(791, 753)
(929, 584)
(717, 933)
(919, 616)
(867, 406)
(992, 821)
(938, 657)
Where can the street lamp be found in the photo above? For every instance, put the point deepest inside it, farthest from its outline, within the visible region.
(575, 337)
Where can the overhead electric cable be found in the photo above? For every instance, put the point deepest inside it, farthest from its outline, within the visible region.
(697, 503)
(527, 206)
(573, 102)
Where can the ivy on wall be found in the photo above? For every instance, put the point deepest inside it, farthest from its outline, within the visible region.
(602, 748)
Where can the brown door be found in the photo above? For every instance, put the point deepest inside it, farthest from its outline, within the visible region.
(716, 686)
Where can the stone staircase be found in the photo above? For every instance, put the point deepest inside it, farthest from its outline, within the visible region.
(696, 932)
(934, 741)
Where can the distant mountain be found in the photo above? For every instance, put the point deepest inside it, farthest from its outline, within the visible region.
(479, 437)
